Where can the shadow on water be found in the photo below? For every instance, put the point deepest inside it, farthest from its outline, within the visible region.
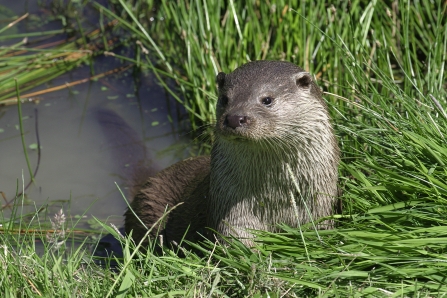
(80, 129)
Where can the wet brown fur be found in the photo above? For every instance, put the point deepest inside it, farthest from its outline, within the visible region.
(185, 182)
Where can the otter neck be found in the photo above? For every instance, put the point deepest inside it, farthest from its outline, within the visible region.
(250, 185)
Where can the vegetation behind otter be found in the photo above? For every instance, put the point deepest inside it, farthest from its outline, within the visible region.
(382, 66)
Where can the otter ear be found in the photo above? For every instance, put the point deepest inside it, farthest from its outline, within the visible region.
(220, 78)
(303, 80)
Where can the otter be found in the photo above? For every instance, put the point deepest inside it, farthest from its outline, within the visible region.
(274, 160)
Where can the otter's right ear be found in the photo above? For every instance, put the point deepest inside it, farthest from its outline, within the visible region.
(220, 78)
(303, 80)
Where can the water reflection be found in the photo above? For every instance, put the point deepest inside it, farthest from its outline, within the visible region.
(79, 165)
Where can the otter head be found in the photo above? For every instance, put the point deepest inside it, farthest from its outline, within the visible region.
(262, 100)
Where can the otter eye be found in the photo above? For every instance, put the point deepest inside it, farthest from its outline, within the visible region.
(267, 101)
(223, 100)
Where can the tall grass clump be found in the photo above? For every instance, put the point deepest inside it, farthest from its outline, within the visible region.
(382, 67)
(193, 40)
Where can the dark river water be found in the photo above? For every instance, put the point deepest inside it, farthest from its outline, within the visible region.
(79, 165)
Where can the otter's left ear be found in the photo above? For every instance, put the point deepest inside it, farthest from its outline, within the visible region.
(220, 78)
(303, 80)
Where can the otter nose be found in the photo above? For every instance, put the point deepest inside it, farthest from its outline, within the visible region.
(234, 121)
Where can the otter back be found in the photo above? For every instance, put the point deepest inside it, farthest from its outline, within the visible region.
(185, 183)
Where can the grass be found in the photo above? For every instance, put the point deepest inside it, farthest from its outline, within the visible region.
(382, 67)
(40, 57)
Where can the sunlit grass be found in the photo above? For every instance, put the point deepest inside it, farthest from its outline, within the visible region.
(383, 70)
(382, 67)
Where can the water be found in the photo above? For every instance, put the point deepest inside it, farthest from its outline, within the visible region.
(78, 168)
